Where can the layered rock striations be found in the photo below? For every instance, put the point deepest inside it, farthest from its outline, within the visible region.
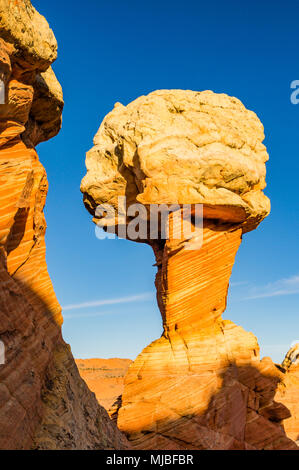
(183, 147)
(201, 385)
(44, 403)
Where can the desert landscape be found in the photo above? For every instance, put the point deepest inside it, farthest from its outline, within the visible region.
(201, 385)
(104, 377)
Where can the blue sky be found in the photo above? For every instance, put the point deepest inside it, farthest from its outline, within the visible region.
(117, 51)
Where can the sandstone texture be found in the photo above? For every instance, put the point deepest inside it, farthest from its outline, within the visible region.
(201, 385)
(104, 377)
(44, 404)
(288, 391)
(184, 147)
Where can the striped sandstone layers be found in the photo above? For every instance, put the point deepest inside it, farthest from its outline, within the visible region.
(288, 391)
(201, 385)
(44, 403)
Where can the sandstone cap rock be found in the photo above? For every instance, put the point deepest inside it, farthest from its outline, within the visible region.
(33, 95)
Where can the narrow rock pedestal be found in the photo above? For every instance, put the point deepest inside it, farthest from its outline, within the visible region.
(202, 384)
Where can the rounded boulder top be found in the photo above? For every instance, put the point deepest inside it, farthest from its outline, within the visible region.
(181, 147)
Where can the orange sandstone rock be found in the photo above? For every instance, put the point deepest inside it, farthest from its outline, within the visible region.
(104, 377)
(44, 403)
(201, 385)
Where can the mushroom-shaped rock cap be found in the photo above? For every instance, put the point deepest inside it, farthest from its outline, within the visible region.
(181, 147)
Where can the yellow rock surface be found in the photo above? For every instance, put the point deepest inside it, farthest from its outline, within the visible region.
(29, 33)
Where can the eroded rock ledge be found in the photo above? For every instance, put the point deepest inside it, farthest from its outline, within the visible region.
(44, 403)
(201, 385)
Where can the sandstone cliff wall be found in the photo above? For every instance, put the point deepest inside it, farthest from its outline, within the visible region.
(44, 403)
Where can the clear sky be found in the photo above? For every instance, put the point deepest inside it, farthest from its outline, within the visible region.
(117, 51)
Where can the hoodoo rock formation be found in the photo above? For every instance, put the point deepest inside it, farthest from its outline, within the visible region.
(44, 404)
(201, 385)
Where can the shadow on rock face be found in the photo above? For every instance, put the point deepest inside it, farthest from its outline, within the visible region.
(241, 415)
(44, 403)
